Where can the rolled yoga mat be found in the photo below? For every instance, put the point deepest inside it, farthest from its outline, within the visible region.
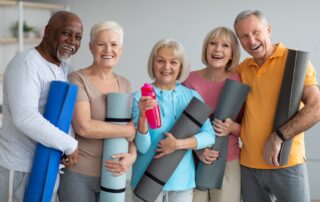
(160, 170)
(45, 168)
(118, 111)
(290, 95)
(231, 99)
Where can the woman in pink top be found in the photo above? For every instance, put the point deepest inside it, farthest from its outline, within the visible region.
(220, 54)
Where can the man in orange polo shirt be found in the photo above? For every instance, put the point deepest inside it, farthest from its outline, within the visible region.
(262, 177)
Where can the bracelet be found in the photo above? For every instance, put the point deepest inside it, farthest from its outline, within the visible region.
(280, 135)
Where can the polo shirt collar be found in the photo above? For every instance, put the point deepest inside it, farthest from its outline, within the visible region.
(278, 52)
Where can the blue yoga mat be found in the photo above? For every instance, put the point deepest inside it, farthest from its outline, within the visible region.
(59, 110)
(118, 111)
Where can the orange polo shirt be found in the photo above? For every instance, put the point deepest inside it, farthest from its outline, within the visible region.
(260, 108)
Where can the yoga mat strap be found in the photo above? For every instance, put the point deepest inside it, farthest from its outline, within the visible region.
(154, 178)
(192, 119)
(280, 135)
(105, 189)
(117, 120)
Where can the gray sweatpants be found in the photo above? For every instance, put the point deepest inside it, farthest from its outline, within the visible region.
(285, 184)
(75, 187)
(13, 185)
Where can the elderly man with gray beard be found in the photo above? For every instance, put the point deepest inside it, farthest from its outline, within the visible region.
(26, 84)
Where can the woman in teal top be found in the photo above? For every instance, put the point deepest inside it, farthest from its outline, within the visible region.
(167, 64)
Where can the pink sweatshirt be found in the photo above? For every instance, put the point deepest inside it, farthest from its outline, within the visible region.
(210, 92)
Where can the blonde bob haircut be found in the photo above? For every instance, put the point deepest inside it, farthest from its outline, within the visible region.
(179, 52)
(106, 26)
(227, 35)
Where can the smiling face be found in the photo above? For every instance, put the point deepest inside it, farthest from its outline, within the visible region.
(63, 37)
(106, 48)
(166, 68)
(219, 53)
(254, 37)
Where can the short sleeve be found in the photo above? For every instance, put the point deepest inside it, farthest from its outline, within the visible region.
(78, 79)
(311, 76)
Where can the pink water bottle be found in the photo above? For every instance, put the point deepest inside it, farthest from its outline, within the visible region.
(153, 115)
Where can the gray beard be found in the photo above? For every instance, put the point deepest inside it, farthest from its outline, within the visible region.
(63, 58)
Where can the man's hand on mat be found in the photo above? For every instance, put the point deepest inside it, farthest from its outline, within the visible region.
(271, 149)
(208, 156)
(120, 163)
(71, 159)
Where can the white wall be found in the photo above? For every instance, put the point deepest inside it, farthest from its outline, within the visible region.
(295, 23)
(37, 18)
(146, 21)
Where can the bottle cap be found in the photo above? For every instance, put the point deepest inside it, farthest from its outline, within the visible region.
(147, 86)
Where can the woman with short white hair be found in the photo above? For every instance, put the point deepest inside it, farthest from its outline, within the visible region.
(82, 181)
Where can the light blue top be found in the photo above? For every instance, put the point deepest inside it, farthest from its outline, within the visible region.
(172, 103)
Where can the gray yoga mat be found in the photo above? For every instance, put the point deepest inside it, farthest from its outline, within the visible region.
(119, 108)
(231, 99)
(160, 170)
(290, 95)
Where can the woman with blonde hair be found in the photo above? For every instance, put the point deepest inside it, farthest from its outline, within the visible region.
(220, 54)
(167, 66)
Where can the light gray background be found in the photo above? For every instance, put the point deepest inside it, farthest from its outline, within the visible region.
(295, 23)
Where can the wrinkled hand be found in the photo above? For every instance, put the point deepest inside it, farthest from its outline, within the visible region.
(131, 131)
(222, 128)
(120, 164)
(145, 103)
(271, 149)
(166, 146)
(70, 160)
(208, 156)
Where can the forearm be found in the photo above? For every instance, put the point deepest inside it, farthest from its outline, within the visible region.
(143, 142)
(206, 136)
(97, 129)
(187, 143)
(132, 148)
(236, 128)
(36, 127)
(133, 151)
(142, 125)
(302, 121)
(170, 144)
(307, 116)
